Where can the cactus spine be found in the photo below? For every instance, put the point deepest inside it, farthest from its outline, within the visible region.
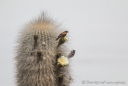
(38, 53)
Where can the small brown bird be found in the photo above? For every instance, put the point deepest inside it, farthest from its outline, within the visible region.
(63, 34)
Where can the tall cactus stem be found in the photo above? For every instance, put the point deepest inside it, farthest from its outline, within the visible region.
(40, 59)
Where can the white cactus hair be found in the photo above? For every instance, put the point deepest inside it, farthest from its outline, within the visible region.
(36, 54)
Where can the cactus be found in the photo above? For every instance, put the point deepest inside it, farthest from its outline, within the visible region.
(40, 59)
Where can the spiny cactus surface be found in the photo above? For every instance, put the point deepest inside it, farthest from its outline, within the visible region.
(40, 59)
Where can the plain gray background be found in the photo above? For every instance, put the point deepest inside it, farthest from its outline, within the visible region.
(98, 32)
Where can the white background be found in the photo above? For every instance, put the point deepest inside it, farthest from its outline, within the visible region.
(98, 32)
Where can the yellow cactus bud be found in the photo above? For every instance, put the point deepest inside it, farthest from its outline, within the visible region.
(65, 38)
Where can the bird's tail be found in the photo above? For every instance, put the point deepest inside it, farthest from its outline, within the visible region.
(57, 38)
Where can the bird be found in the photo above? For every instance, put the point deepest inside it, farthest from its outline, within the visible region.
(63, 34)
